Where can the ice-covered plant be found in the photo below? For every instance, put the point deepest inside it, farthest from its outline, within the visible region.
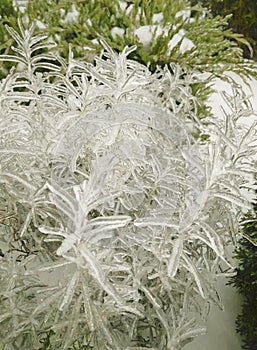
(115, 219)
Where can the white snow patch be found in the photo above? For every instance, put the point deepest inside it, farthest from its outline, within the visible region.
(185, 14)
(145, 33)
(95, 41)
(177, 38)
(116, 31)
(88, 48)
(20, 4)
(186, 45)
(129, 9)
(71, 16)
(40, 24)
(123, 5)
(89, 22)
(158, 17)
(62, 12)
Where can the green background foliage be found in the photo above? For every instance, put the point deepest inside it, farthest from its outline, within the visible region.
(215, 47)
(214, 44)
(243, 20)
(246, 283)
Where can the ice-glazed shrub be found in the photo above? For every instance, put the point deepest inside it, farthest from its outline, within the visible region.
(115, 219)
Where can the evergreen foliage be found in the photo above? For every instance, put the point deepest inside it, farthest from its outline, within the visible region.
(243, 20)
(246, 283)
(199, 41)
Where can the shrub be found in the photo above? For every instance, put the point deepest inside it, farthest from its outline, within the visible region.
(246, 283)
(175, 32)
(115, 219)
(243, 20)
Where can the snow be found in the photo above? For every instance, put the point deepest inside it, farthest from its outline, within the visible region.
(176, 39)
(71, 16)
(116, 31)
(185, 43)
(40, 24)
(89, 22)
(186, 15)
(123, 5)
(158, 17)
(221, 333)
(20, 4)
(145, 36)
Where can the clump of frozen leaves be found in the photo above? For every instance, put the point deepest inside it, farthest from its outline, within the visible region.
(115, 219)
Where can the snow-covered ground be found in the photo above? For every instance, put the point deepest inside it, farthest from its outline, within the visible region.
(221, 333)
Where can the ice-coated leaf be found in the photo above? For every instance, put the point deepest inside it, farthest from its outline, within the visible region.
(213, 237)
(63, 201)
(46, 302)
(193, 333)
(155, 221)
(12, 58)
(67, 244)
(89, 307)
(174, 260)
(196, 274)
(4, 316)
(159, 311)
(69, 291)
(73, 324)
(52, 231)
(138, 348)
(239, 201)
(97, 272)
